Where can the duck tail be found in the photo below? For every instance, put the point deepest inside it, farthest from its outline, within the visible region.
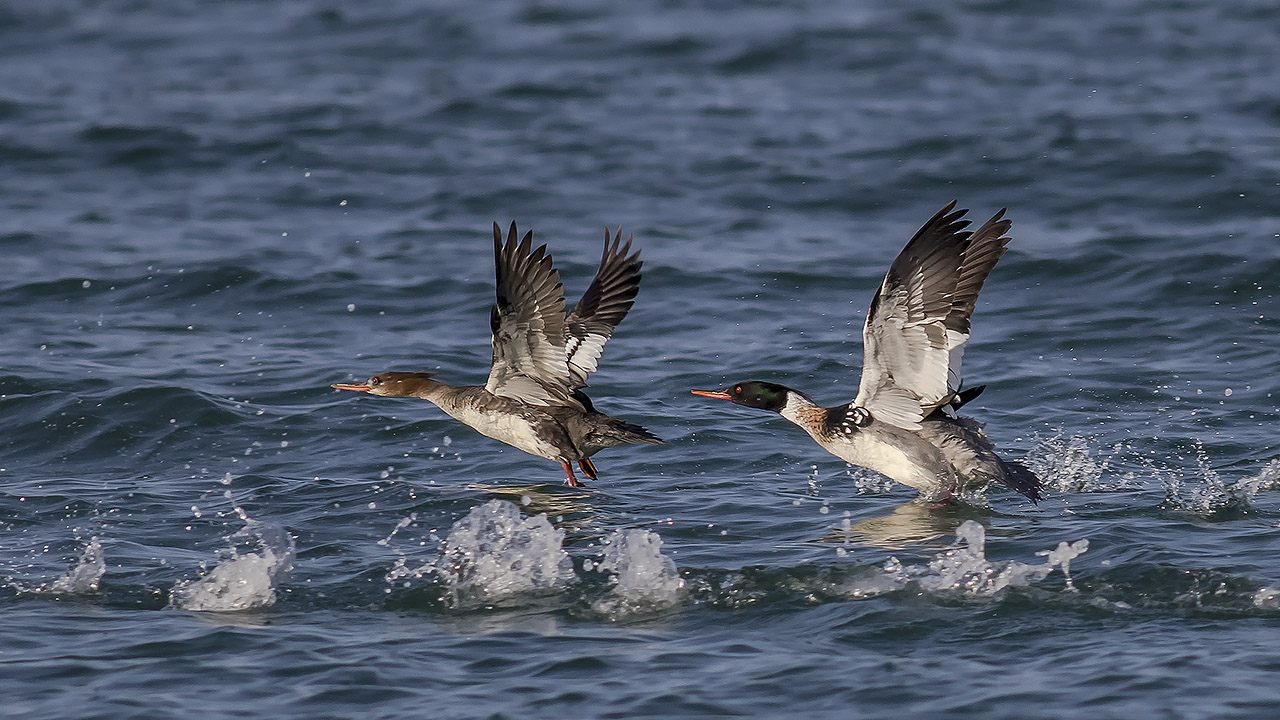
(1019, 478)
(633, 434)
(963, 397)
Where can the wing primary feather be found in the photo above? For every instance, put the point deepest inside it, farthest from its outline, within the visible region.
(603, 306)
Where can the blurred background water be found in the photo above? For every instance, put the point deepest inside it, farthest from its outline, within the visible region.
(212, 211)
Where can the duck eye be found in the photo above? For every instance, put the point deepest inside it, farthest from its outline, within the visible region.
(375, 380)
(737, 390)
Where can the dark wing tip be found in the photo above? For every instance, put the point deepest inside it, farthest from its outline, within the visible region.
(949, 212)
(945, 223)
(999, 222)
(610, 244)
(614, 247)
(497, 252)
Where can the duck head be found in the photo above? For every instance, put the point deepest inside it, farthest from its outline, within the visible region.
(392, 384)
(753, 393)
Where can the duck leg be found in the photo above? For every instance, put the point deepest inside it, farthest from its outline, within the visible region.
(588, 468)
(943, 500)
(569, 479)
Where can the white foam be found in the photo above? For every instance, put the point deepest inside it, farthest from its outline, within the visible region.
(495, 553)
(642, 578)
(245, 579)
(965, 568)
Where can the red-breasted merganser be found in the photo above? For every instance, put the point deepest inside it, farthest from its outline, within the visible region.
(542, 356)
(903, 423)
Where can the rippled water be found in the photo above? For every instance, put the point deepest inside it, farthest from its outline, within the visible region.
(212, 211)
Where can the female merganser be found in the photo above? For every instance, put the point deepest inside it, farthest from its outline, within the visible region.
(542, 356)
(903, 424)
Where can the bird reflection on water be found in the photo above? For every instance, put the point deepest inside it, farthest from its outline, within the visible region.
(910, 523)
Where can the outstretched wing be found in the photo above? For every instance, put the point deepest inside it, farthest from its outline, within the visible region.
(915, 332)
(528, 322)
(591, 322)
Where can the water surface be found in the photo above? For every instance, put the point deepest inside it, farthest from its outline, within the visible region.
(213, 211)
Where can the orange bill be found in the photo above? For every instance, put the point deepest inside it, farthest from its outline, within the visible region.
(717, 394)
(358, 387)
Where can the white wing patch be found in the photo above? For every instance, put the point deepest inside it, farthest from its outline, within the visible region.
(955, 358)
(584, 353)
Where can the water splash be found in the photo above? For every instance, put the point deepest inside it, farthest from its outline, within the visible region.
(403, 524)
(246, 579)
(85, 575)
(642, 578)
(495, 554)
(1267, 598)
(1207, 494)
(1072, 464)
(1267, 479)
(867, 482)
(401, 573)
(965, 568)
(1067, 465)
(1062, 556)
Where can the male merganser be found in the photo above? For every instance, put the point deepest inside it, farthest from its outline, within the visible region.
(903, 423)
(542, 356)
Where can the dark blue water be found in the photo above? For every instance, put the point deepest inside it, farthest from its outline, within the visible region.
(211, 211)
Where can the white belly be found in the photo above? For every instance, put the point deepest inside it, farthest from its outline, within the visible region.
(514, 430)
(913, 463)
